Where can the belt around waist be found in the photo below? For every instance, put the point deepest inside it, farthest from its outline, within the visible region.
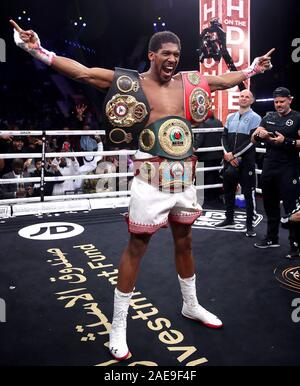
(170, 137)
(167, 175)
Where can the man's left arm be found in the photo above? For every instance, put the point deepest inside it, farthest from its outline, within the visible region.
(288, 143)
(247, 144)
(231, 79)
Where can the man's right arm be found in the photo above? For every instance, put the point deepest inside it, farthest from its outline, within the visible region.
(98, 77)
(259, 135)
(30, 42)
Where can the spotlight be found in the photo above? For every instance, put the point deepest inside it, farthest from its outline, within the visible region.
(84, 24)
(75, 23)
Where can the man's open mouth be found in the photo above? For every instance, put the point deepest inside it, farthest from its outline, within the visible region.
(168, 70)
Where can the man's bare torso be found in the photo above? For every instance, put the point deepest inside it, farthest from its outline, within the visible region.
(164, 99)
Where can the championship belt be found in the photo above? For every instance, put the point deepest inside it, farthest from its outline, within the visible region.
(126, 110)
(197, 97)
(170, 137)
(168, 175)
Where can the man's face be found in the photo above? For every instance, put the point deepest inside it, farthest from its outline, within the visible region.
(38, 165)
(165, 61)
(245, 99)
(282, 105)
(63, 162)
(18, 169)
(18, 144)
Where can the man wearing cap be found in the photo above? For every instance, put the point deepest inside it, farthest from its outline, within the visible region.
(279, 130)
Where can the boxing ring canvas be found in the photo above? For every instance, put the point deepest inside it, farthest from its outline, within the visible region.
(58, 272)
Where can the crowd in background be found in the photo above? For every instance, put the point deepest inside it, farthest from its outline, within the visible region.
(67, 165)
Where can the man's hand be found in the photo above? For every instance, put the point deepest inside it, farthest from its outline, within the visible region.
(260, 65)
(80, 109)
(229, 157)
(21, 193)
(295, 217)
(260, 133)
(264, 62)
(27, 164)
(30, 42)
(6, 137)
(27, 40)
(278, 139)
(54, 167)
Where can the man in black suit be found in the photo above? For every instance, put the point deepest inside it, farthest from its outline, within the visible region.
(18, 189)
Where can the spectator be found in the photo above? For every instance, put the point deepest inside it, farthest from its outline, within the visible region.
(89, 162)
(68, 166)
(17, 189)
(48, 185)
(16, 146)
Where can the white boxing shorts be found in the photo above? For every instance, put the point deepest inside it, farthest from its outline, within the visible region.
(150, 209)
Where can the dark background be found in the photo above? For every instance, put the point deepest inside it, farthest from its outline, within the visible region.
(117, 33)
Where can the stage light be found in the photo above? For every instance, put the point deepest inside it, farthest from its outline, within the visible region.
(163, 24)
(265, 100)
(84, 24)
(24, 12)
(80, 18)
(29, 19)
(75, 23)
(19, 17)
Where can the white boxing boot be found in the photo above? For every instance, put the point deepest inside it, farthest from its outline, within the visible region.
(191, 308)
(117, 337)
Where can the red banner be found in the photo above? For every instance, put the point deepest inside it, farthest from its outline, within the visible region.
(234, 17)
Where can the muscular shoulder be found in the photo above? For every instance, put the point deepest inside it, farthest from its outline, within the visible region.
(178, 77)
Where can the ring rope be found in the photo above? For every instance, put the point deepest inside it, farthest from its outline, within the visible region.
(106, 194)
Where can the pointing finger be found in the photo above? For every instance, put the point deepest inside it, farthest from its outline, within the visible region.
(269, 53)
(16, 26)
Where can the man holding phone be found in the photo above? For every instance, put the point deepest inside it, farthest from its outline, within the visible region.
(279, 130)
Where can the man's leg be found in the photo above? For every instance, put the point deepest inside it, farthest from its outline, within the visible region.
(185, 266)
(184, 259)
(128, 271)
(290, 195)
(130, 261)
(271, 201)
(248, 184)
(230, 181)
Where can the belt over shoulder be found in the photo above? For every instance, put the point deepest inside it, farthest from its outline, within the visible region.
(126, 110)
